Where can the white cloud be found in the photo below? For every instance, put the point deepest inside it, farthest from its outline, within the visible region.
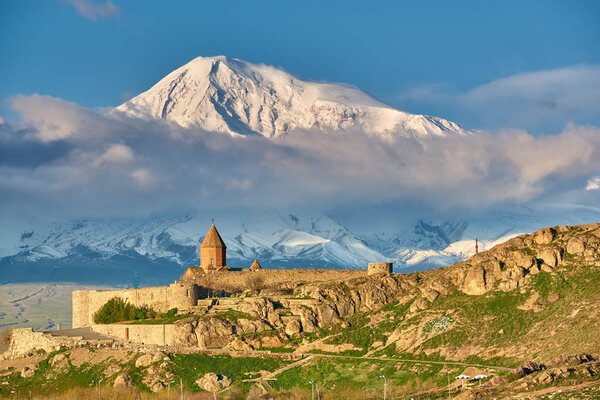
(530, 100)
(57, 119)
(115, 154)
(593, 183)
(93, 10)
(142, 176)
(174, 167)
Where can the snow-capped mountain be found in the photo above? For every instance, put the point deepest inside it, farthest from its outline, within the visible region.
(156, 250)
(237, 97)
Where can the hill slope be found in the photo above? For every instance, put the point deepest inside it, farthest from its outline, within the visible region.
(535, 297)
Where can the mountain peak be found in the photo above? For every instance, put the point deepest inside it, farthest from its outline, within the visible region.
(240, 98)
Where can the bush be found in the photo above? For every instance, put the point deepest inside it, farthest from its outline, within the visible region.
(169, 314)
(116, 310)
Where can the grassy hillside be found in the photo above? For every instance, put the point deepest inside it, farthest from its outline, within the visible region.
(533, 298)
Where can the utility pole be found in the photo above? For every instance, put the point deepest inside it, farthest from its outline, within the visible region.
(312, 383)
(100, 390)
(476, 246)
(448, 375)
(384, 386)
(180, 389)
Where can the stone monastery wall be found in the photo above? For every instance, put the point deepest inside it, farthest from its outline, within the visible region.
(161, 299)
(146, 334)
(236, 281)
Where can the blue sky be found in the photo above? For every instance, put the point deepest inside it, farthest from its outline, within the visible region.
(420, 56)
(526, 73)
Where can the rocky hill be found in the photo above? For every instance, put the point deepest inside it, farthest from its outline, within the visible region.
(525, 313)
(520, 300)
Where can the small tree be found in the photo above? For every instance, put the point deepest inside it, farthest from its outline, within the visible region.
(116, 310)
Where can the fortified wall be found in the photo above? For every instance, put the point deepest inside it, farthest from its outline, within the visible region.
(238, 281)
(180, 295)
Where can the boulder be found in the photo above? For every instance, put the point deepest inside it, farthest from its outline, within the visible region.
(419, 304)
(27, 372)
(57, 359)
(293, 327)
(157, 386)
(576, 245)
(474, 283)
(528, 367)
(212, 382)
(148, 359)
(523, 260)
(544, 236)
(123, 381)
(551, 257)
(239, 344)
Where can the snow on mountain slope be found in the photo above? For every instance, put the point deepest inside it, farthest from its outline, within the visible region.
(155, 250)
(233, 96)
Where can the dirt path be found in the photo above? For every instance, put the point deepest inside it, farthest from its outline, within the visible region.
(402, 360)
(86, 333)
(263, 381)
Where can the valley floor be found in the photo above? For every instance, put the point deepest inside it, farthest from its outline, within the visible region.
(41, 306)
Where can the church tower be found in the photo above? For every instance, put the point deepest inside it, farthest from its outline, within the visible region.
(212, 251)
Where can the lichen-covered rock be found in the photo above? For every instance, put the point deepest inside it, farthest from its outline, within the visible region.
(56, 360)
(474, 281)
(27, 372)
(212, 382)
(544, 236)
(527, 368)
(550, 256)
(293, 327)
(123, 381)
(214, 332)
(239, 344)
(146, 360)
(576, 245)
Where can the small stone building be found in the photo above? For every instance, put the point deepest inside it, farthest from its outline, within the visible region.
(380, 268)
(255, 266)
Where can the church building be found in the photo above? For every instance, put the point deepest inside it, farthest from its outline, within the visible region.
(213, 252)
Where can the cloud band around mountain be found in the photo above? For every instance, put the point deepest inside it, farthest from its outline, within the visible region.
(87, 159)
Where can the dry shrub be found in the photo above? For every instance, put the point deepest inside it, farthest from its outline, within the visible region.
(109, 393)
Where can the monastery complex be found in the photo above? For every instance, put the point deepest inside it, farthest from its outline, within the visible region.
(207, 288)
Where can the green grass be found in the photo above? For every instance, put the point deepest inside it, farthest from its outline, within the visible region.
(233, 315)
(276, 349)
(359, 376)
(159, 320)
(190, 367)
(49, 380)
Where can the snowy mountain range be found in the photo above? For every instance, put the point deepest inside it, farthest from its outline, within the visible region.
(239, 98)
(236, 97)
(157, 249)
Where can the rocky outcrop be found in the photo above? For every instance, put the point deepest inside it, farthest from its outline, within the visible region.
(293, 310)
(123, 380)
(212, 382)
(148, 359)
